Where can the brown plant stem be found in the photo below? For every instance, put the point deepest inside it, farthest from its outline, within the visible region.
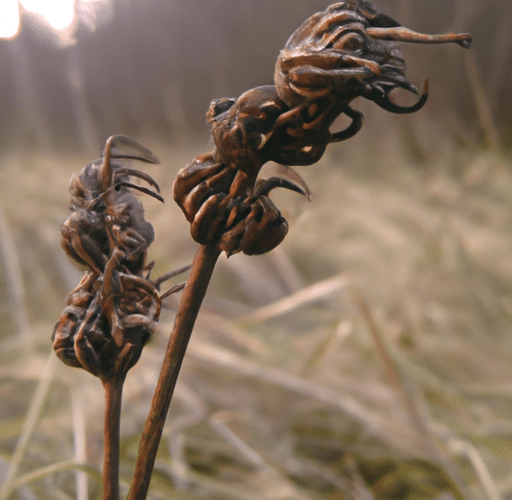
(191, 300)
(111, 432)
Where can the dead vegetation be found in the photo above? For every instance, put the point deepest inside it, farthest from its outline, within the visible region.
(367, 357)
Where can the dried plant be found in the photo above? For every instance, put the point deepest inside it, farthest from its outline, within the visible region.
(335, 56)
(112, 312)
(344, 52)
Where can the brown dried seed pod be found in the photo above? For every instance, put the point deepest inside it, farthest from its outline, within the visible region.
(72, 317)
(108, 320)
(333, 57)
(259, 127)
(226, 206)
(343, 50)
(105, 211)
(240, 128)
(259, 231)
(114, 309)
(202, 178)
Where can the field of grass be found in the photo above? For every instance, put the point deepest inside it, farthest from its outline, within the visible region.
(367, 357)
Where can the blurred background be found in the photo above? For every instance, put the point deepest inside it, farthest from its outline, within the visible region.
(153, 67)
(367, 357)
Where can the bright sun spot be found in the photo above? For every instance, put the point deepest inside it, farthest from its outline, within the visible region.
(57, 14)
(10, 18)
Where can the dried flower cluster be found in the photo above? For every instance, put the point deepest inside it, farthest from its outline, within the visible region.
(219, 192)
(335, 56)
(113, 310)
(344, 52)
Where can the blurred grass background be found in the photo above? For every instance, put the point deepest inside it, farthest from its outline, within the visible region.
(367, 357)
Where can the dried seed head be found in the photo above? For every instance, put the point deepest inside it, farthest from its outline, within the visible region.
(336, 55)
(114, 310)
(228, 207)
(220, 193)
(108, 320)
(106, 214)
(350, 50)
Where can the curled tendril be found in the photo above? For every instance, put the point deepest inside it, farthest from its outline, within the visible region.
(382, 99)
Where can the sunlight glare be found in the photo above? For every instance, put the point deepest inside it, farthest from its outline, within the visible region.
(59, 14)
(10, 18)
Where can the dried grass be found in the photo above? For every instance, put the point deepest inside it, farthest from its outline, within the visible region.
(292, 388)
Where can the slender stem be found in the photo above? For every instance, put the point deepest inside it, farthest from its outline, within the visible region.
(111, 433)
(192, 298)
